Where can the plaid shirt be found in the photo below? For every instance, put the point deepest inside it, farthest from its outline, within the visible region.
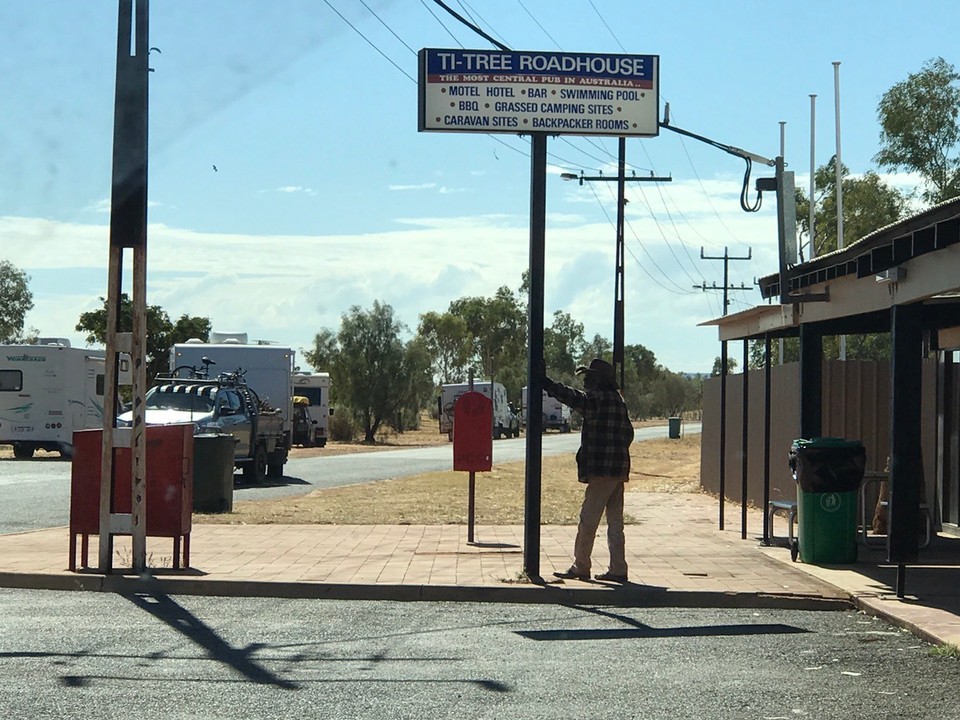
(606, 434)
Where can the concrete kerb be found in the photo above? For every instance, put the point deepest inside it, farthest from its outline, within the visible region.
(533, 593)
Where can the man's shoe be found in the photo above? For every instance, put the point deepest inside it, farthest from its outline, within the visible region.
(610, 577)
(571, 574)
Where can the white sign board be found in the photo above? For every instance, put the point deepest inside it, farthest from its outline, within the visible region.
(494, 91)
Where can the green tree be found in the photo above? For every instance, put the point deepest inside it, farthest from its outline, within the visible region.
(717, 363)
(161, 333)
(324, 351)
(419, 390)
(16, 301)
(188, 327)
(448, 343)
(498, 326)
(599, 347)
(870, 346)
(868, 204)
(379, 378)
(920, 128)
(563, 345)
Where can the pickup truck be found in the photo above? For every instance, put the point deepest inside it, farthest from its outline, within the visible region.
(225, 405)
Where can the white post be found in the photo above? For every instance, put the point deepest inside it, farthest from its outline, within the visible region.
(812, 234)
(839, 163)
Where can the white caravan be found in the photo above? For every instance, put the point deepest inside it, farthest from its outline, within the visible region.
(505, 420)
(46, 392)
(267, 369)
(316, 388)
(556, 415)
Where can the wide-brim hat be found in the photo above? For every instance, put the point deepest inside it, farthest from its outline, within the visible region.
(600, 370)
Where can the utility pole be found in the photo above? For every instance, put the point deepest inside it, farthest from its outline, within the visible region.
(618, 307)
(726, 257)
(128, 230)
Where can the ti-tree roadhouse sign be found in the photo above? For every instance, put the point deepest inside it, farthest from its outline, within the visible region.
(522, 92)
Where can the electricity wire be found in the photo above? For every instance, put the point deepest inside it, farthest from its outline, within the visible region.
(603, 20)
(534, 18)
(369, 42)
(471, 12)
(435, 17)
(390, 29)
(681, 291)
(477, 30)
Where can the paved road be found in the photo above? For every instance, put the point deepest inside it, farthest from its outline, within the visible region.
(205, 657)
(36, 494)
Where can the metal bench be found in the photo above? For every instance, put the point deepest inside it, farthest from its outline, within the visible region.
(786, 507)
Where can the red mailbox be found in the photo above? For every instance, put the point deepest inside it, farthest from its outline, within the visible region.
(169, 501)
(473, 433)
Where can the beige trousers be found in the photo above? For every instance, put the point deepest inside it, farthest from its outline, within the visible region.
(602, 494)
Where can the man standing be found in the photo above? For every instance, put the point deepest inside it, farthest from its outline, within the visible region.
(603, 463)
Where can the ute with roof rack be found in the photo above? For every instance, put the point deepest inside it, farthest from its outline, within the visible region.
(224, 404)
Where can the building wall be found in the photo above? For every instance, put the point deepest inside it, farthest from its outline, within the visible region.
(856, 406)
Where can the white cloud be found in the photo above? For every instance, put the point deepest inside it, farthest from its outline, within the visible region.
(292, 189)
(287, 287)
(404, 188)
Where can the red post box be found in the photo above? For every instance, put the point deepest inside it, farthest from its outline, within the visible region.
(169, 501)
(473, 433)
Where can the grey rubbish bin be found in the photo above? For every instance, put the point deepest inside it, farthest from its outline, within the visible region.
(213, 473)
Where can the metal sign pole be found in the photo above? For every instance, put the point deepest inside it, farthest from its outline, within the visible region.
(538, 221)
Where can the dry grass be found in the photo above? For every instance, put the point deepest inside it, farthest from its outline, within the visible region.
(441, 498)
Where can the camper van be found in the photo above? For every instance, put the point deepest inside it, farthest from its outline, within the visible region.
(506, 422)
(316, 388)
(267, 369)
(556, 415)
(47, 391)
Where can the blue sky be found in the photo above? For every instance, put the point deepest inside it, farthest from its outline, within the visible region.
(326, 196)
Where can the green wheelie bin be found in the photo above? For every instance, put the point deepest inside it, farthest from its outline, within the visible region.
(828, 472)
(213, 473)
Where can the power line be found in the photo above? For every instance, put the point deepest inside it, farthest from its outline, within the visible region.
(603, 20)
(449, 32)
(477, 30)
(681, 291)
(363, 2)
(471, 12)
(534, 18)
(369, 42)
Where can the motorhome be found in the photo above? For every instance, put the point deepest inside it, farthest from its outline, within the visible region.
(267, 369)
(47, 391)
(316, 388)
(555, 414)
(506, 422)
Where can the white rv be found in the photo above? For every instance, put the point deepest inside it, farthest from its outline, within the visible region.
(46, 392)
(505, 419)
(316, 388)
(267, 369)
(556, 415)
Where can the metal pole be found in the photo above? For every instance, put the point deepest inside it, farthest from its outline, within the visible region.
(813, 171)
(839, 169)
(534, 439)
(472, 483)
(723, 427)
(618, 312)
(766, 437)
(744, 440)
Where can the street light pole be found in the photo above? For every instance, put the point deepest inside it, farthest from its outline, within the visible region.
(619, 362)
